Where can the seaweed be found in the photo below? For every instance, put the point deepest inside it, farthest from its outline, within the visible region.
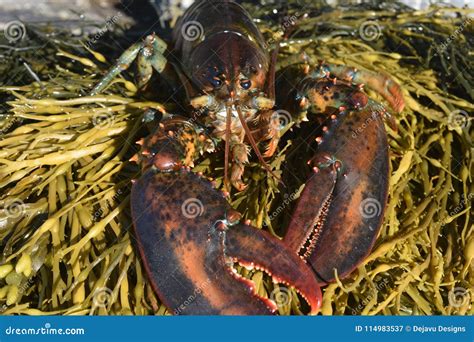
(66, 233)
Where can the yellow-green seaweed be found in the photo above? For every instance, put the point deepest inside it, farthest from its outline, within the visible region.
(67, 239)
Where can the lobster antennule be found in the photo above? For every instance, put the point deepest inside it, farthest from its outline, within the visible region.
(249, 135)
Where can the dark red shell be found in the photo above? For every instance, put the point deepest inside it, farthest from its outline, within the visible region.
(180, 225)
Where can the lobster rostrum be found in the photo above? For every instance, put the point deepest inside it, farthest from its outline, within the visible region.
(189, 237)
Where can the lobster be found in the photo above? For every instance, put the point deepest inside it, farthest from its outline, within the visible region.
(189, 237)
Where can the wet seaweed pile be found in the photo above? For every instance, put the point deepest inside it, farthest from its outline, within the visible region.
(66, 233)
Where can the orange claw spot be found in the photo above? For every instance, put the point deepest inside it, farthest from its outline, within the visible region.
(233, 216)
(303, 102)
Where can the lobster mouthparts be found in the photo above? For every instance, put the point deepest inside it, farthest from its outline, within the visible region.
(189, 248)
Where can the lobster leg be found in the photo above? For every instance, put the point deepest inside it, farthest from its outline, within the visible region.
(380, 83)
(150, 56)
(316, 93)
(340, 211)
(189, 237)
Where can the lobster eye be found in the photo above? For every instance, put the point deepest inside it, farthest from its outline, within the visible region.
(216, 82)
(245, 84)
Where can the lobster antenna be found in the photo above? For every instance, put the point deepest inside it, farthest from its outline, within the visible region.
(227, 146)
(253, 143)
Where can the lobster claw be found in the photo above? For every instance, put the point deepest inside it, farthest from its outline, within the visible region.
(189, 245)
(340, 211)
(257, 249)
